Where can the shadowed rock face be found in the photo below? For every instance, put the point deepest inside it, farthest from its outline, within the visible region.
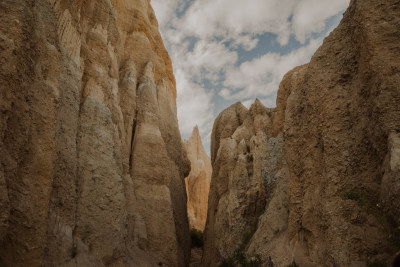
(329, 183)
(91, 160)
(237, 195)
(198, 181)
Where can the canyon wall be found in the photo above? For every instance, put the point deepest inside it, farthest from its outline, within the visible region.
(198, 181)
(92, 164)
(316, 179)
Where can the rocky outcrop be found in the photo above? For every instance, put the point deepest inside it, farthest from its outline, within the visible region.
(198, 181)
(240, 184)
(92, 165)
(328, 189)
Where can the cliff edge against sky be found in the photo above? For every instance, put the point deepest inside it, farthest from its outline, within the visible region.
(316, 179)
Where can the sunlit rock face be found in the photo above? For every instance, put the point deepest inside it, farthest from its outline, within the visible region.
(316, 179)
(198, 181)
(92, 163)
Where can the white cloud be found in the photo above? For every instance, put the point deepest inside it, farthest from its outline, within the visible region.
(165, 10)
(204, 43)
(310, 16)
(228, 19)
(261, 76)
(194, 108)
(247, 42)
(211, 56)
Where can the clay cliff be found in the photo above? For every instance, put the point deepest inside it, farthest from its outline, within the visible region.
(198, 181)
(316, 179)
(92, 165)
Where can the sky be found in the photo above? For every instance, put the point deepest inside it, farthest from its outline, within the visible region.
(225, 51)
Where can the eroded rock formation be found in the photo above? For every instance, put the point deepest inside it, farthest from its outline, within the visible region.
(316, 178)
(198, 181)
(250, 171)
(92, 165)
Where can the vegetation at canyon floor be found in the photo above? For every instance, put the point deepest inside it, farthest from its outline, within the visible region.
(197, 238)
(239, 256)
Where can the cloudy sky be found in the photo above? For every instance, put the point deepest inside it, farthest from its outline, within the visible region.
(224, 51)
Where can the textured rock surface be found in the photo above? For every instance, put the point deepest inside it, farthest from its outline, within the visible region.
(92, 165)
(198, 181)
(390, 190)
(335, 191)
(238, 195)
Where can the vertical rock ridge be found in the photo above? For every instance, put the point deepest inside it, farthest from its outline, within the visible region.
(88, 108)
(237, 195)
(198, 180)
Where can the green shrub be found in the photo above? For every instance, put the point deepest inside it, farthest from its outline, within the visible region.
(239, 257)
(197, 238)
(359, 196)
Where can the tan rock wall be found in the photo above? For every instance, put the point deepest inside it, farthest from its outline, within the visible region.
(337, 125)
(92, 164)
(198, 181)
(334, 200)
(238, 195)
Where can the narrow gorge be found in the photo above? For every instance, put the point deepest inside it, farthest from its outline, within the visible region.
(94, 171)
